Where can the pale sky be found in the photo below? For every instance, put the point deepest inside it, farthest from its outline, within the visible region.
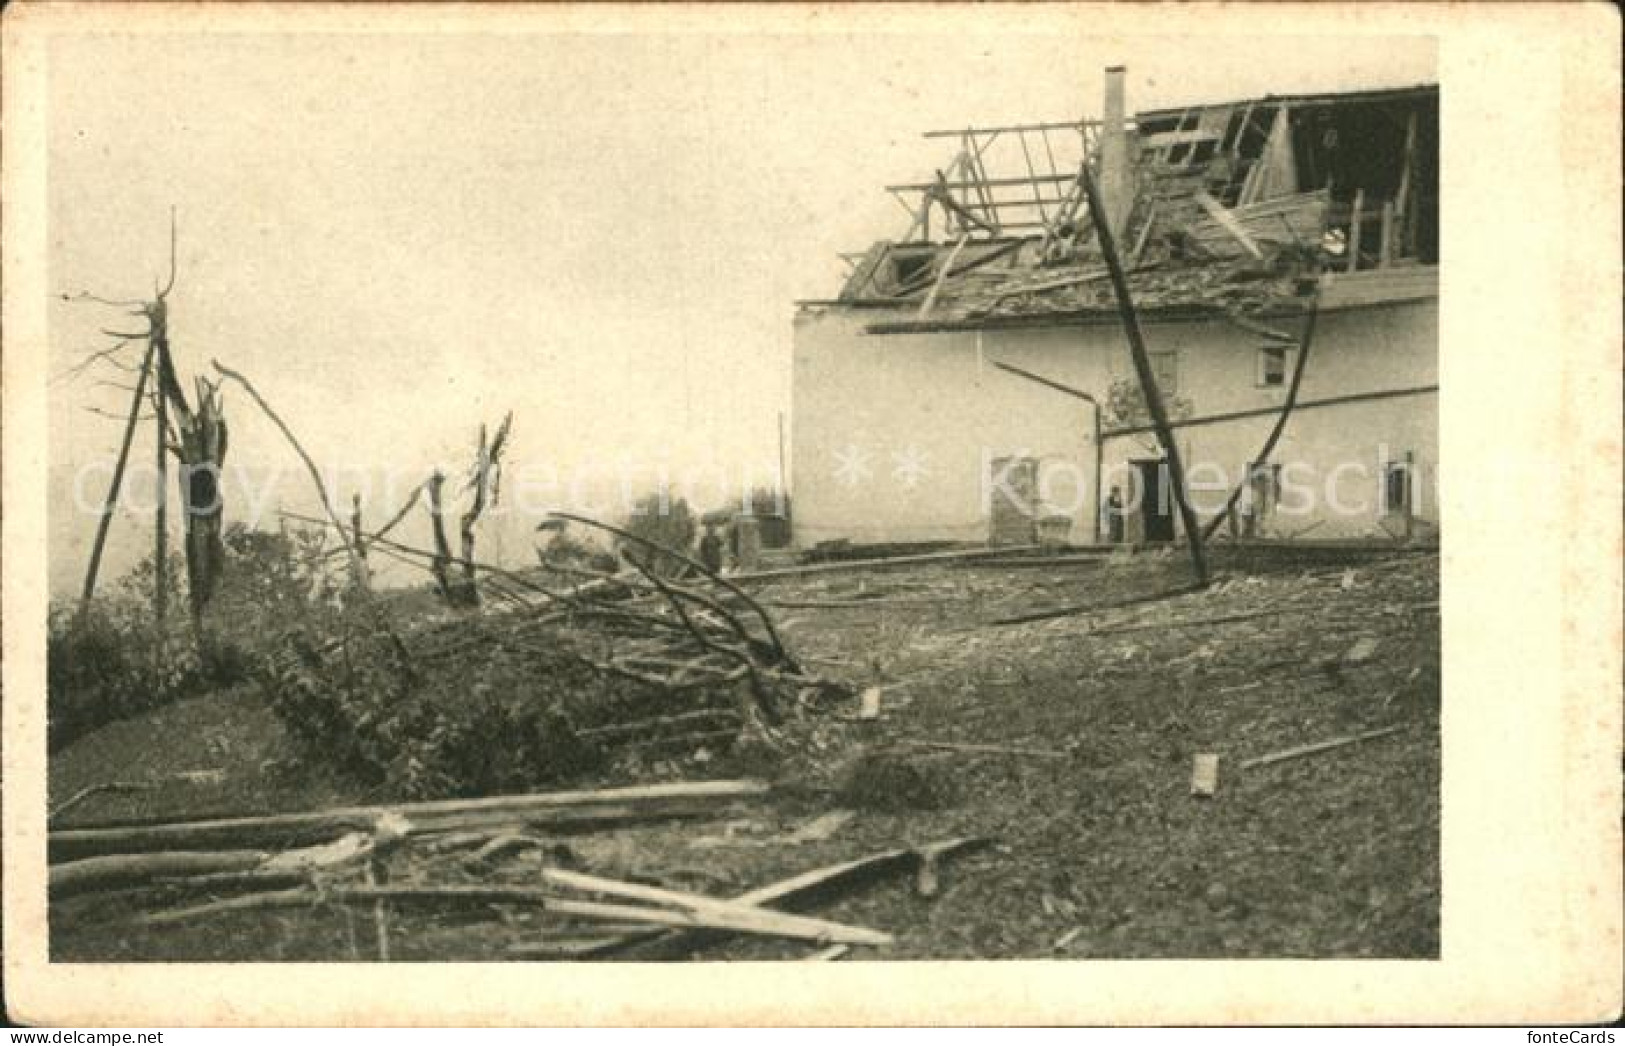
(399, 236)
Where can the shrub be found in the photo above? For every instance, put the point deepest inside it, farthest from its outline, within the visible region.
(107, 660)
(448, 709)
(657, 517)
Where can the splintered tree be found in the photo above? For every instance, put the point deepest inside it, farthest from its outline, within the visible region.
(194, 432)
(456, 577)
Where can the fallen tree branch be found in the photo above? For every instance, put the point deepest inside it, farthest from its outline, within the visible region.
(1089, 608)
(1322, 746)
(357, 571)
(721, 916)
(954, 746)
(110, 787)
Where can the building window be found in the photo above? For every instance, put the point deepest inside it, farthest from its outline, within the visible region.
(1272, 366)
(1396, 488)
(1165, 368)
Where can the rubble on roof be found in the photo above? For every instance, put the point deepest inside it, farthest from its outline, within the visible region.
(1235, 208)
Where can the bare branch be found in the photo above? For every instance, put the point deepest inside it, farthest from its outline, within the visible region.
(108, 354)
(115, 417)
(87, 296)
(171, 284)
(315, 474)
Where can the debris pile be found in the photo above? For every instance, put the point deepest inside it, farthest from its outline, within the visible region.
(571, 669)
(503, 859)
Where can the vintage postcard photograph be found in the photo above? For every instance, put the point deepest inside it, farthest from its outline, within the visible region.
(570, 486)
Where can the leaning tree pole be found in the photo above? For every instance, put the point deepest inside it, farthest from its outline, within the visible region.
(1142, 368)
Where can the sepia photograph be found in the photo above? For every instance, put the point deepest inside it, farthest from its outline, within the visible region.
(680, 495)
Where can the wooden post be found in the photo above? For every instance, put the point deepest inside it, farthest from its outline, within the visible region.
(1402, 198)
(1354, 229)
(160, 549)
(117, 481)
(1410, 493)
(1142, 367)
(1386, 251)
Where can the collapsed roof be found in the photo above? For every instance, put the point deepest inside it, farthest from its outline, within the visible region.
(1231, 208)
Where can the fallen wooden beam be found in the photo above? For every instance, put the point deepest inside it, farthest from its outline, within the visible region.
(720, 917)
(553, 809)
(1228, 223)
(1322, 746)
(793, 892)
(736, 914)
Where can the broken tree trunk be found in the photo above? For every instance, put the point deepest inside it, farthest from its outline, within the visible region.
(454, 590)
(485, 481)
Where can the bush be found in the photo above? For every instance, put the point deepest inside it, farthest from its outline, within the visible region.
(107, 661)
(657, 517)
(446, 710)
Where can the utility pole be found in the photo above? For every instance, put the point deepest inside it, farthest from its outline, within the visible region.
(160, 547)
(1142, 368)
(117, 483)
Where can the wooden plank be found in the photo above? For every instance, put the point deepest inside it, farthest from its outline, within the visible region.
(738, 915)
(1205, 775)
(1228, 223)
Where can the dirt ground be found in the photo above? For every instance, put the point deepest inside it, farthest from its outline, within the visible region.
(1096, 846)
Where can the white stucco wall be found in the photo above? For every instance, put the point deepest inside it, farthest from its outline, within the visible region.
(873, 399)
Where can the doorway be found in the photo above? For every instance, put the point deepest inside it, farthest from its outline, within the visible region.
(1156, 499)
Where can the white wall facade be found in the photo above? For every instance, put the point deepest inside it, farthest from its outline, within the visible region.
(893, 436)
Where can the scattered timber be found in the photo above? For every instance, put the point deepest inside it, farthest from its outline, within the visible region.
(555, 810)
(794, 892)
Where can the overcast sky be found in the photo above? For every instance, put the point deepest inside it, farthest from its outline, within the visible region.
(399, 236)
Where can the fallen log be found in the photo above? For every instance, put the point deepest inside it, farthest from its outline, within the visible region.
(101, 873)
(556, 810)
(1321, 746)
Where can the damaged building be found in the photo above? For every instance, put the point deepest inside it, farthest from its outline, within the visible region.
(971, 381)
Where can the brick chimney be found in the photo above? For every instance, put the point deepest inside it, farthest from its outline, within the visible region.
(1116, 183)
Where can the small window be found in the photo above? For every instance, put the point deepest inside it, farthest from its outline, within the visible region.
(1272, 366)
(1396, 488)
(1165, 368)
